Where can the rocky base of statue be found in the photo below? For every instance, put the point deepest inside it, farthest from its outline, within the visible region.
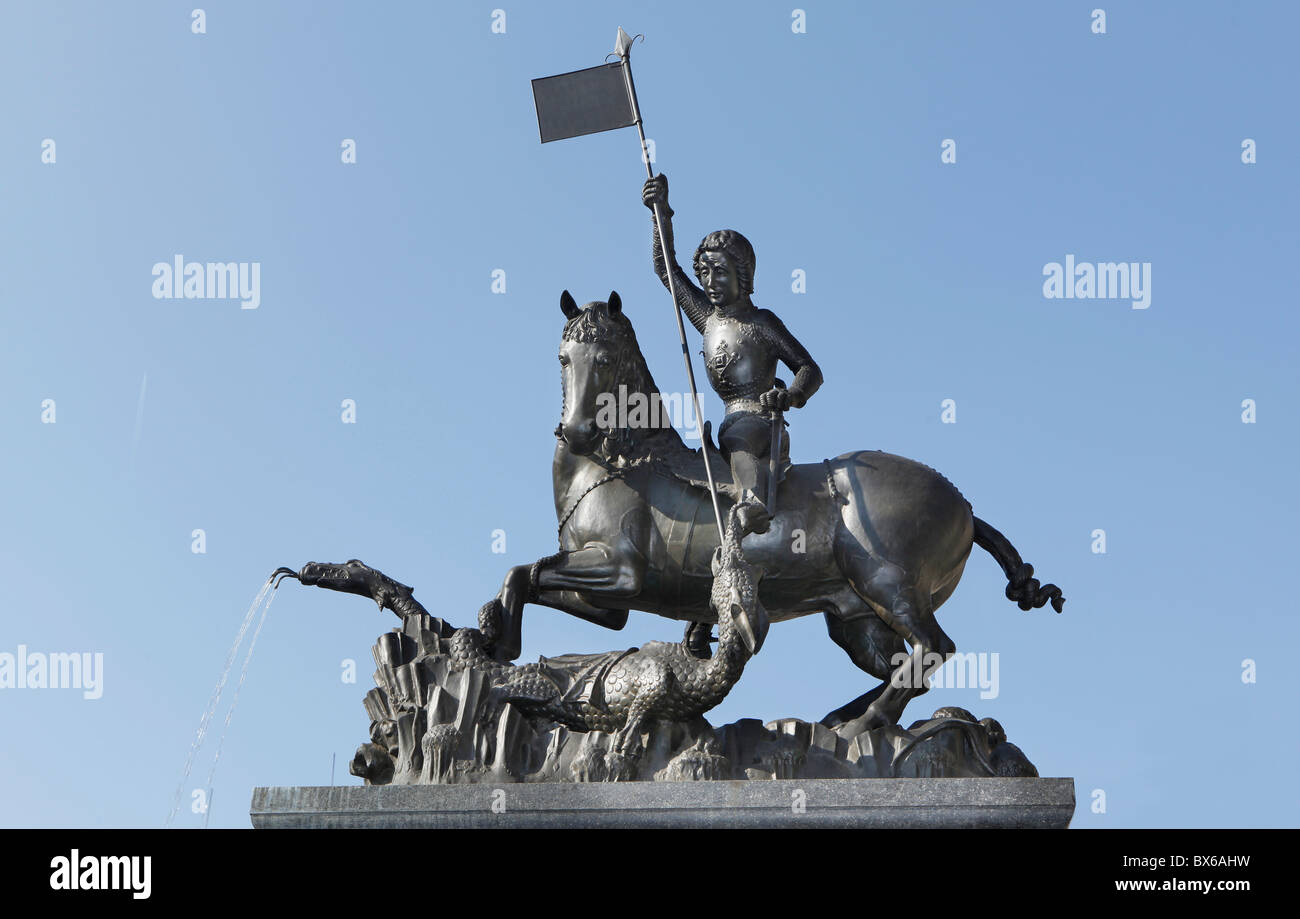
(435, 719)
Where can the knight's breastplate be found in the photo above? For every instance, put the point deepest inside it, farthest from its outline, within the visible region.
(738, 358)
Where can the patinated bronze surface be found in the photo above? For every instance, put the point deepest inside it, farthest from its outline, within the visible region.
(873, 541)
(884, 538)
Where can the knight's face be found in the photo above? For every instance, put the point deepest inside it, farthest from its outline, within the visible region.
(719, 278)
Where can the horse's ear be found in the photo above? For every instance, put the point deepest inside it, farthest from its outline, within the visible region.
(615, 303)
(568, 305)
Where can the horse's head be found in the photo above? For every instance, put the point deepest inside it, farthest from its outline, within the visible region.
(598, 354)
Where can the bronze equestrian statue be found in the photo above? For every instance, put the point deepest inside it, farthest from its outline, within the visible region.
(873, 541)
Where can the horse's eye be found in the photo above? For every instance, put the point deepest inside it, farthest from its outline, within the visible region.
(564, 358)
(602, 360)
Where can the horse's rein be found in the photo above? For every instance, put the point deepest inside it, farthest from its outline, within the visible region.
(608, 477)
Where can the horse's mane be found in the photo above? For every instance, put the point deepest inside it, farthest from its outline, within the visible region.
(597, 324)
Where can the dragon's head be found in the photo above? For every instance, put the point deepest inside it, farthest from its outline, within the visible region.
(735, 586)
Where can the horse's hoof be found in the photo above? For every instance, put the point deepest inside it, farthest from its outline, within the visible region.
(875, 718)
(500, 651)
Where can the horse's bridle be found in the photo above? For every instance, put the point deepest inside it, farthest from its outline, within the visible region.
(564, 394)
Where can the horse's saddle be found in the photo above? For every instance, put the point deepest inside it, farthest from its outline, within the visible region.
(688, 466)
(581, 677)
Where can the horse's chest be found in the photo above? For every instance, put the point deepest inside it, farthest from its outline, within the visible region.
(593, 508)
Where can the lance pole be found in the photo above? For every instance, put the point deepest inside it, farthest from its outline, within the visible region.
(624, 51)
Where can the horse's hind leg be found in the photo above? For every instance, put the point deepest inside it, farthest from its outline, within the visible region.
(911, 616)
(909, 612)
(872, 646)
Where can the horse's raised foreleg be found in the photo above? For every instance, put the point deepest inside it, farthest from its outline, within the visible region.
(567, 581)
(597, 570)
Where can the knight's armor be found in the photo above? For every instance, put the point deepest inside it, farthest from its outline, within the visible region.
(740, 360)
(742, 345)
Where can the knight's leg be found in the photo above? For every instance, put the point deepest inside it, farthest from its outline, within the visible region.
(746, 439)
(748, 473)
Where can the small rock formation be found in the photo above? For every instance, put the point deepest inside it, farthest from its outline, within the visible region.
(435, 720)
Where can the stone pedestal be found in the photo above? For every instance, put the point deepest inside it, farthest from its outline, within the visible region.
(859, 803)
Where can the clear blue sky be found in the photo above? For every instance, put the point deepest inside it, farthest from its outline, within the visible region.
(924, 283)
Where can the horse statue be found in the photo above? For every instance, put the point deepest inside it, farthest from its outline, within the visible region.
(873, 541)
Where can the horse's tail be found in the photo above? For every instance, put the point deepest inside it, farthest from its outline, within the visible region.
(1022, 586)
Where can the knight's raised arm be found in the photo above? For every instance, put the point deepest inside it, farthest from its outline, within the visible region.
(691, 299)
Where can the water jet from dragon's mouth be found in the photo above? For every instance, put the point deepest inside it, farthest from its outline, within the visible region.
(267, 595)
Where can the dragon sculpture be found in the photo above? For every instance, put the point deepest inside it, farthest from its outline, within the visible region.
(617, 692)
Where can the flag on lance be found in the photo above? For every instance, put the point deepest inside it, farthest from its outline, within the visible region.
(583, 102)
(603, 99)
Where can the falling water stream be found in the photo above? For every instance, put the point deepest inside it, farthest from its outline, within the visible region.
(234, 700)
(215, 700)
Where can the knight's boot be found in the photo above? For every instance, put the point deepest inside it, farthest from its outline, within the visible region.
(747, 473)
(754, 517)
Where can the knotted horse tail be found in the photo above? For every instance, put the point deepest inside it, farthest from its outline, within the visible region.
(1022, 586)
